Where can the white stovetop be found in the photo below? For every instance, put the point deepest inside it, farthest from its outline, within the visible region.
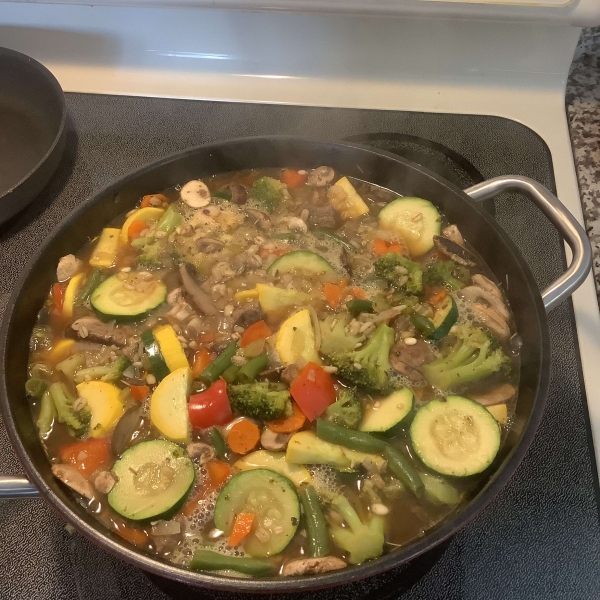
(513, 69)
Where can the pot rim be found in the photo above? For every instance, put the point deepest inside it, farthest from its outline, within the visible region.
(407, 552)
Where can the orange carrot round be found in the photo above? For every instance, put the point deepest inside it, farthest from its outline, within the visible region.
(135, 229)
(243, 437)
(288, 424)
(292, 178)
(139, 392)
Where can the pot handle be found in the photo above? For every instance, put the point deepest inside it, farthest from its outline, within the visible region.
(568, 227)
(15, 488)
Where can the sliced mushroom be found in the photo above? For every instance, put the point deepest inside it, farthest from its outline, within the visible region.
(67, 267)
(195, 193)
(290, 373)
(321, 176)
(209, 245)
(323, 216)
(454, 251)
(71, 477)
(408, 360)
(200, 451)
(104, 482)
(476, 294)
(274, 441)
(310, 566)
(181, 312)
(200, 298)
(452, 233)
(239, 194)
(488, 285)
(500, 394)
(297, 224)
(94, 330)
(175, 297)
(133, 427)
(244, 317)
(492, 320)
(260, 219)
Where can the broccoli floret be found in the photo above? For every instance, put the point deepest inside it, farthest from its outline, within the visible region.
(368, 367)
(447, 273)
(334, 338)
(77, 420)
(473, 356)
(258, 400)
(361, 540)
(345, 411)
(267, 192)
(151, 256)
(111, 372)
(393, 267)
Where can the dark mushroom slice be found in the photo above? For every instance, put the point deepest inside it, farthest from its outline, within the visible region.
(92, 329)
(312, 566)
(454, 252)
(321, 176)
(238, 193)
(200, 298)
(453, 233)
(498, 395)
(246, 316)
(72, 478)
(133, 427)
(408, 360)
(322, 217)
(209, 245)
(259, 218)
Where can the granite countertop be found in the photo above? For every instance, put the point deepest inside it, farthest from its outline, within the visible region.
(583, 109)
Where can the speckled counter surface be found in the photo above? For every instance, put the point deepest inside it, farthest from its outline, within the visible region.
(583, 108)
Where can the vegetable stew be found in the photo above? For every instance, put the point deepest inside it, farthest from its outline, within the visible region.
(274, 372)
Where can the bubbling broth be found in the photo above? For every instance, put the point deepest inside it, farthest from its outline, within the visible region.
(274, 372)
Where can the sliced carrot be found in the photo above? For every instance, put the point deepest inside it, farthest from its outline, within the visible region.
(135, 536)
(438, 296)
(257, 331)
(243, 436)
(202, 358)
(357, 293)
(218, 471)
(241, 528)
(58, 294)
(380, 246)
(334, 292)
(135, 229)
(139, 392)
(292, 178)
(278, 250)
(87, 455)
(396, 247)
(288, 424)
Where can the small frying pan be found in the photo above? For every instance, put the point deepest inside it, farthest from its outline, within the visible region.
(32, 130)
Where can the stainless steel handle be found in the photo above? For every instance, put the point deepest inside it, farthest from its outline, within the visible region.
(14, 488)
(568, 227)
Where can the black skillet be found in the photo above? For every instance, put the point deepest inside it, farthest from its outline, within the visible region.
(405, 178)
(32, 130)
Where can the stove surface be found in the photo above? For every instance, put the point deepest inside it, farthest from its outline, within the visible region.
(539, 539)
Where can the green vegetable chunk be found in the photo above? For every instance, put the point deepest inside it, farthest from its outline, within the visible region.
(362, 540)
(218, 443)
(77, 420)
(169, 221)
(369, 366)
(395, 269)
(251, 370)
(218, 366)
(447, 273)
(268, 192)
(346, 411)
(423, 324)
(35, 387)
(334, 339)
(355, 307)
(403, 469)
(110, 373)
(93, 281)
(151, 257)
(230, 374)
(262, 401)
(47, 414)
(316, 527)
(355, 440)
(207, 560)
(473, 356)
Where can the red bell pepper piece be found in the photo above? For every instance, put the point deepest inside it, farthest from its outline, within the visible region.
(313, 390)
(210, 407)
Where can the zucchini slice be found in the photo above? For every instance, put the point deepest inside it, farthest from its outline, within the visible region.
(389, 412)
(112, 300)
(103, 400)
(168, 406)
(455, 436)
(443, 320)
(157, 361)
(273, 501)
(153, 480)
(170, 347)
(415, 219)
(300, 260)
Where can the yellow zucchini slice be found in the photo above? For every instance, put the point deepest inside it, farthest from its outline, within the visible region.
(147, 214)
(103, 400)
(349, 204)
(274, 461)
(296, 339)
(105, 252)
(168, 406)
(69, 304)
(170, 347)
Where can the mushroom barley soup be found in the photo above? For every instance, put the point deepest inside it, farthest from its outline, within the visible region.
(273, 372)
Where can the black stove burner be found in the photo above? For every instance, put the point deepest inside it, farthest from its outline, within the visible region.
(388, 586)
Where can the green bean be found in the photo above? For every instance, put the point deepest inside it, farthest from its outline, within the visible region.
(35, 387)
(218, 442)
(93, 281)
(423, 324)
(230, 373)
(141, 242)
(218, 366)
(207, 560)
(326, 234)
(355, 440)
(170, 219)
(47, 414)
(401, 467)
(316, 528)
(250, 371)
(289, 237)
(359, 306)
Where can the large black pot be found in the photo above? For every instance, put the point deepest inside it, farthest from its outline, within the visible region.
(407, 179)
